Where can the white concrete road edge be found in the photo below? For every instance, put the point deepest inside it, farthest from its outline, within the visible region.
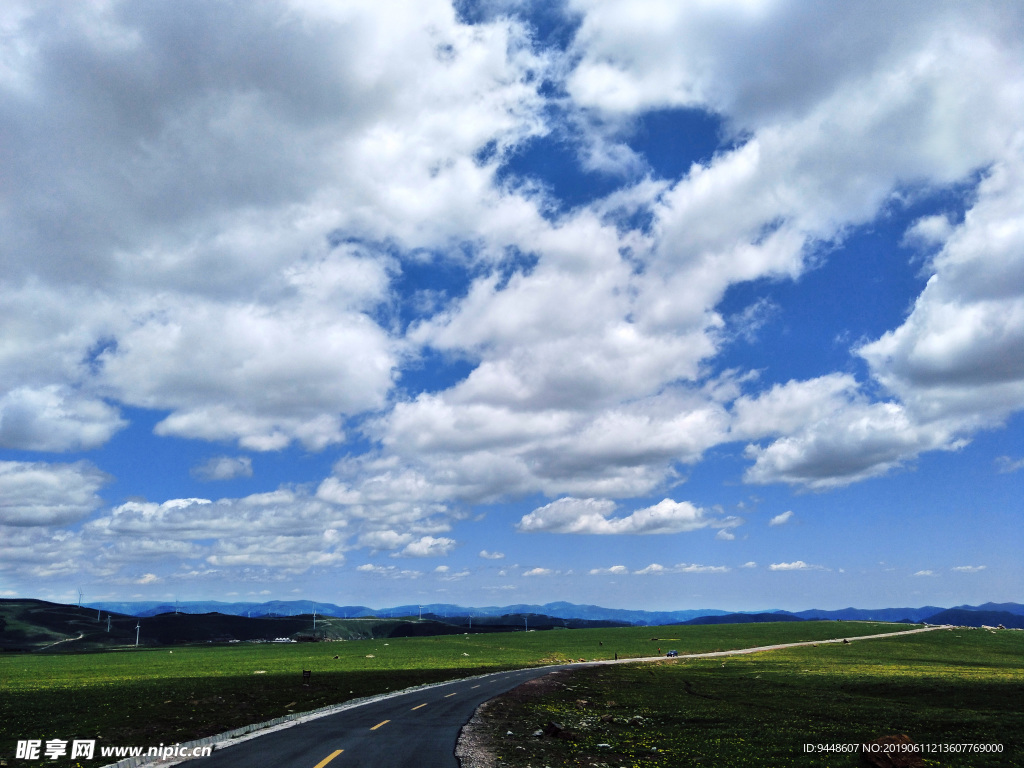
(246, 732)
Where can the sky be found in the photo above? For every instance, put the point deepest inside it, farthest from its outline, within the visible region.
(636, 303)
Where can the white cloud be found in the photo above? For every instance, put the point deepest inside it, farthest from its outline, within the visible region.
(225, 239)
(52, 418)
(37, 493)
(928, 231)
(591, 516)
(267, 377)
(925, 573)
(957, 357)
(656, 569)
(796, 565)
(1006, 464)
(277, 534)
(781, 519)
(615, 570)
(653, 568)
(539, 572)
(832, 435)
(224, 468)
(696, 568)
(208, 289)
(384, 539)
(749, 564)
(854, 443)
(969, 568)
(428, 546)
(491, 555)
(888, 108)
(389, 571)
(785, 408)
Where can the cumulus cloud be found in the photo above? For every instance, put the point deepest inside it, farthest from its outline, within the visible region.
(51, 418)
(388, 571)
(233, 309)
(958, 353)
(653, 568)
(782, 518)
(928, 231)
(1006, 464)
(832, 434)
(591, 516)
(615, 570)
(224, 468)
(539, 572)
(697, 568)
(37, 493)
(491, 555)
(270, 535)
(428, 546)
(925, 573)
(796, 565)
(232, 242)
(229, 386)
(856, 442)
(656, 569)
(384, 539)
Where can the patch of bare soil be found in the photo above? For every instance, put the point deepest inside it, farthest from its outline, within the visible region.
(482, 739)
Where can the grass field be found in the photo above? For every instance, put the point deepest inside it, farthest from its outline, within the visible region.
(145, 697)
(939, 688)
(151, 696)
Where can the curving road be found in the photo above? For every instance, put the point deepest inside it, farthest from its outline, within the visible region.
(417, 729)
(410, 730)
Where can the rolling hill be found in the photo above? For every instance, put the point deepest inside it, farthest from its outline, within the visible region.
(36, 625)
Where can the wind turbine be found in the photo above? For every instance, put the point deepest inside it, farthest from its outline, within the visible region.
(138, 624)
(79, 597)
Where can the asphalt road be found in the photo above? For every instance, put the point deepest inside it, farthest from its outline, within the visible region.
(411, 730)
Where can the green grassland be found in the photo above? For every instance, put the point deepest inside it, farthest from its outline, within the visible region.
(154, 695)
(956, 686)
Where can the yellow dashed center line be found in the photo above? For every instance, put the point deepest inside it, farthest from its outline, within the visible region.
(328, 759)
(419, 707)
(451, 694)
(378, 725)
(475, 686)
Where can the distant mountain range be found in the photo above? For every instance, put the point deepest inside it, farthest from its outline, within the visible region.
(32, 625)
(992, 614)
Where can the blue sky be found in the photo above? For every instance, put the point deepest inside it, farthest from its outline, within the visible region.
(643, 304)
